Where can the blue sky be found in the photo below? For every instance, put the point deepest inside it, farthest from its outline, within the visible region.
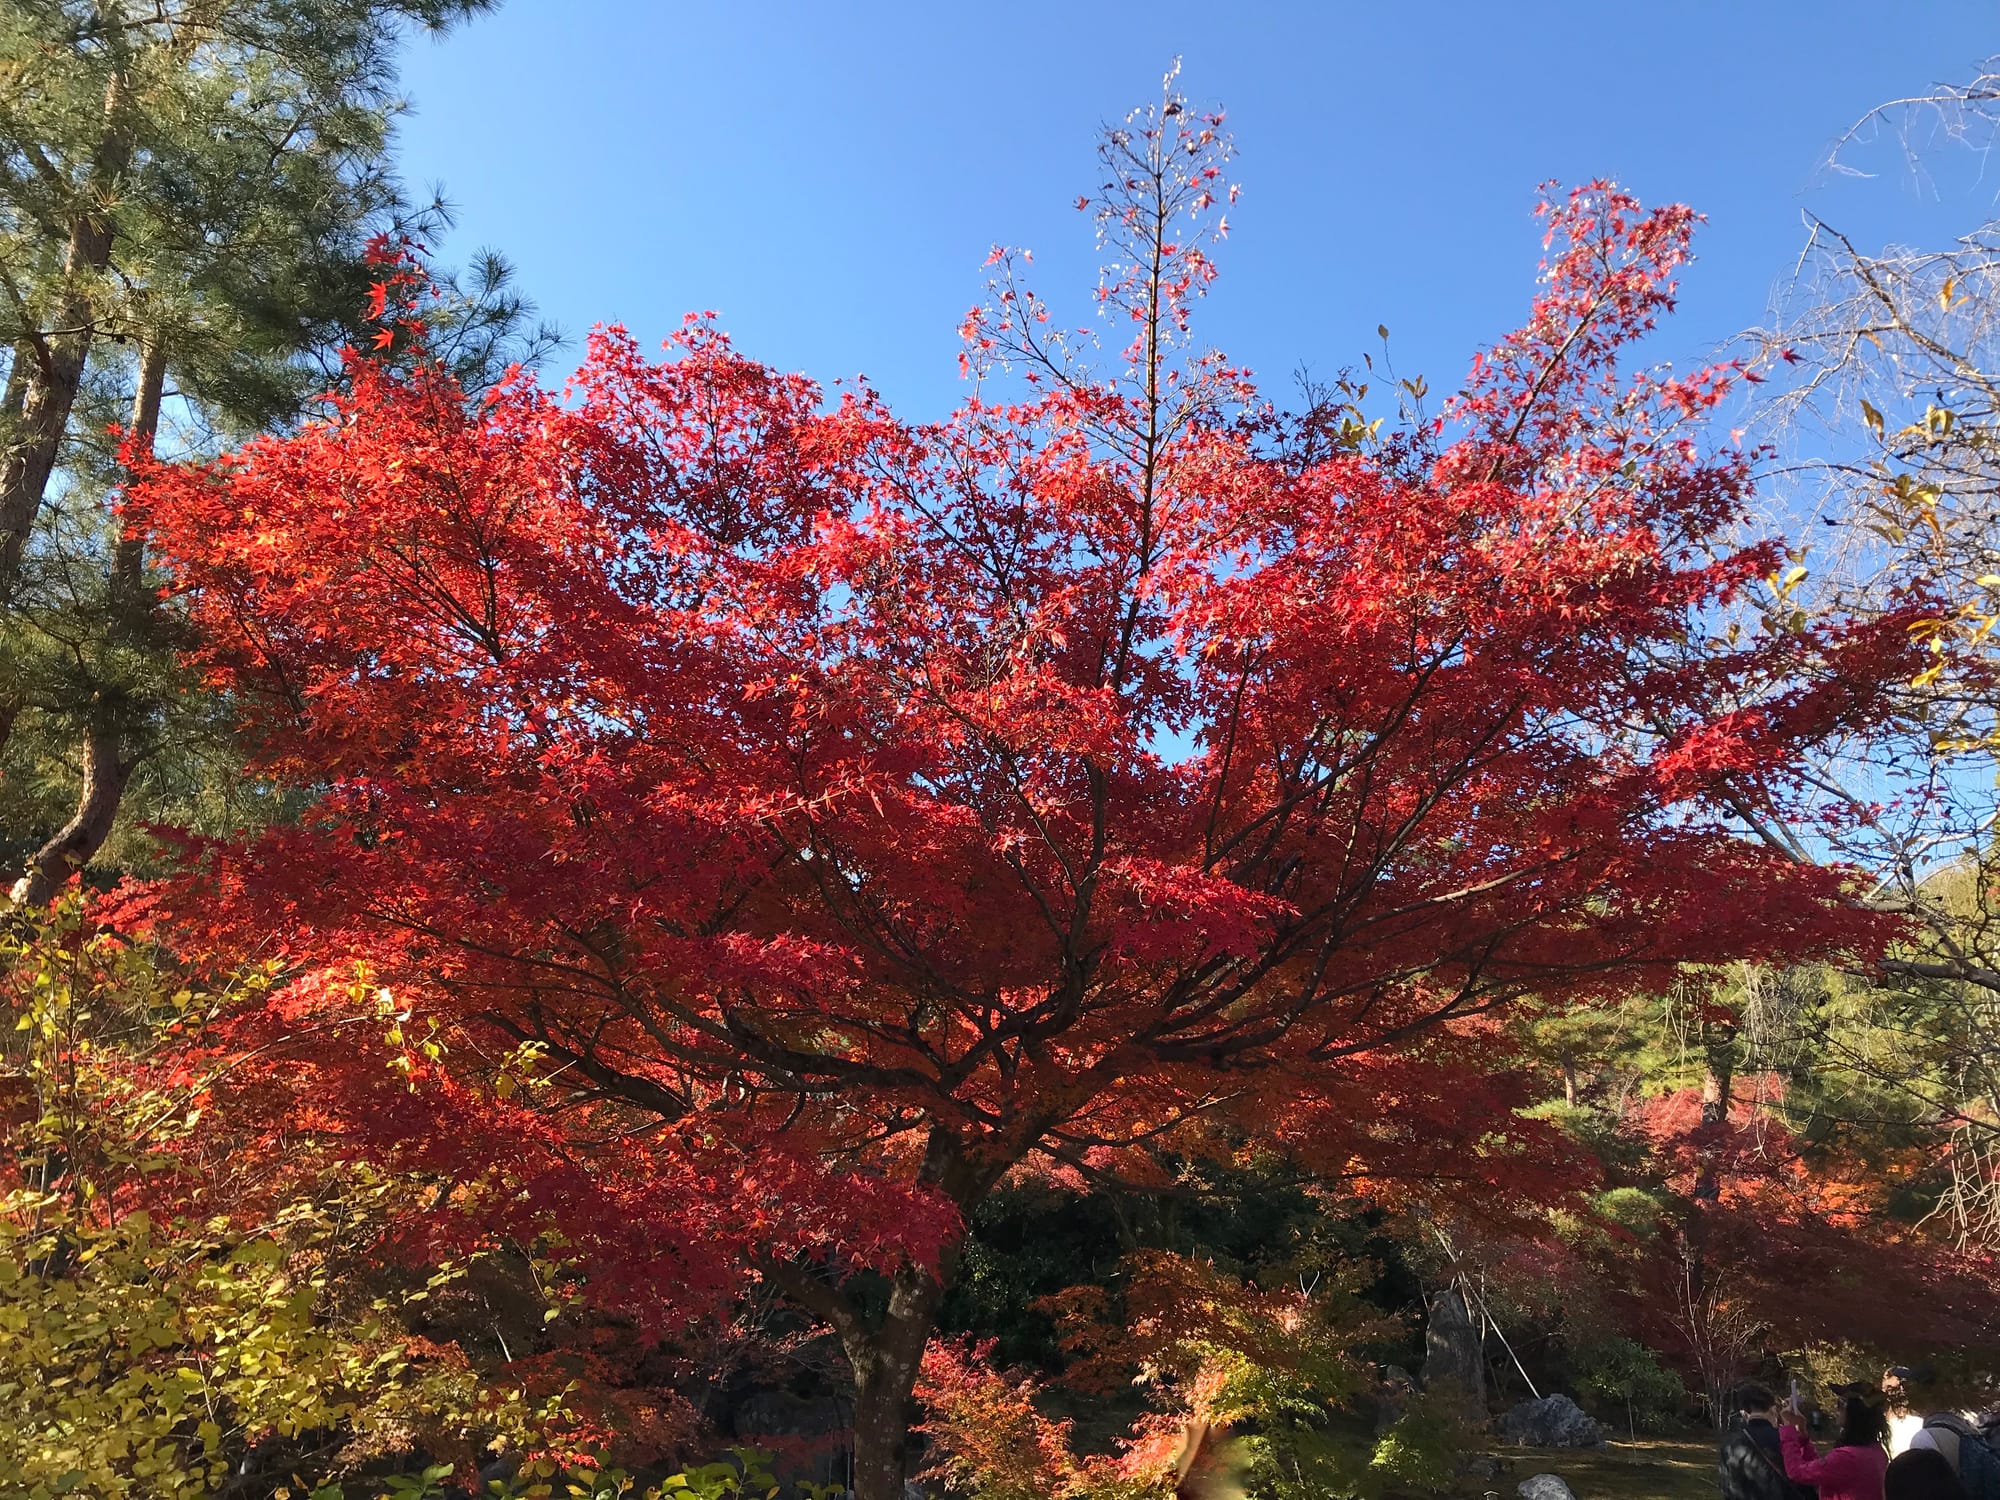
(830, 176)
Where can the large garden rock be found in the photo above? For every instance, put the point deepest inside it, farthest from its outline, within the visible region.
(1552, 1422)
(1453, 1365)
(1545, 1487)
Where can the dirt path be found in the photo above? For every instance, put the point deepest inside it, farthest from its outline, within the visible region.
(1649, 1469)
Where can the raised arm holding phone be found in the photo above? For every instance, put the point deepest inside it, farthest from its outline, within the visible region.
(1853, 1468)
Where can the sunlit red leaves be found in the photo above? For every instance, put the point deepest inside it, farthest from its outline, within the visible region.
(828, 797)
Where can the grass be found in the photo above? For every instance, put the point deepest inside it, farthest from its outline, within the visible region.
(1678, 1468)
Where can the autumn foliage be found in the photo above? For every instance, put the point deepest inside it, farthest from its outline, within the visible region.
(744, 825)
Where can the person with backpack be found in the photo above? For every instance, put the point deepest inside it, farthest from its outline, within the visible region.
(1968, 1446)
(1921, 1474)
(1753, 1459)
(1853, 1468)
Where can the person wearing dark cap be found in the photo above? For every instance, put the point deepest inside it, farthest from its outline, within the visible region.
(1753, 1458)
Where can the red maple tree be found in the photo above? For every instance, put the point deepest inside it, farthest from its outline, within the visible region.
(803, 817)
(1760, 1248)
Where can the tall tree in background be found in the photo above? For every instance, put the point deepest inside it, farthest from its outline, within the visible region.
(1886, 402)
(827, 817)
(187, 191)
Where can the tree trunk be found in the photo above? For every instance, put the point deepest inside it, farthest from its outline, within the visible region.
(1718, 1079)
(1716, 1083)
(107, 759)
(886, 1356)
(886, 1353)
(886, 1361)
(15, 397)
(105, 772)
(128, 563)
(56, 358)
(10, 415)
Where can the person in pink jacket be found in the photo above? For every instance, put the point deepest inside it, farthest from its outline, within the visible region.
(1853, 1468)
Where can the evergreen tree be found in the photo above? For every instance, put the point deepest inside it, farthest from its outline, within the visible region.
(187, 193)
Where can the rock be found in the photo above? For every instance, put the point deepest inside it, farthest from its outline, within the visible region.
(500, 1470)
(1392, 1396)
(1482, 1467)
(1544, 1487)
(1453, 1365)
(1552, 1422)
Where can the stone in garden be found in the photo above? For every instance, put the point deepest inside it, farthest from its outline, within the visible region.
(1453, 1365)
(1392, 1397)
(1552, 1422)
(1545, 1487)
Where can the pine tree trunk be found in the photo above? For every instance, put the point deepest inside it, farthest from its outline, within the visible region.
(108, 760)
(128, 559)
(105, 772)
(55, 358)
(11, 402)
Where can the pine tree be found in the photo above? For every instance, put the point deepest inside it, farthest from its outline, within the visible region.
(187, 194)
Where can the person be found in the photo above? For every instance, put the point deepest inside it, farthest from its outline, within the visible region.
(1921, 1474)
(1905, 1421)
(1963, 1440)
(1753, 1458)
(1853, 1469)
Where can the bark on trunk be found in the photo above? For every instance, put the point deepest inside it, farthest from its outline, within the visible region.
(16, 395)
(885, 1361)
(56, 358)
(1716, 1084)
(10, 415)
(108, 760)
(128, 563)
(105, 772)
(886, 1353)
